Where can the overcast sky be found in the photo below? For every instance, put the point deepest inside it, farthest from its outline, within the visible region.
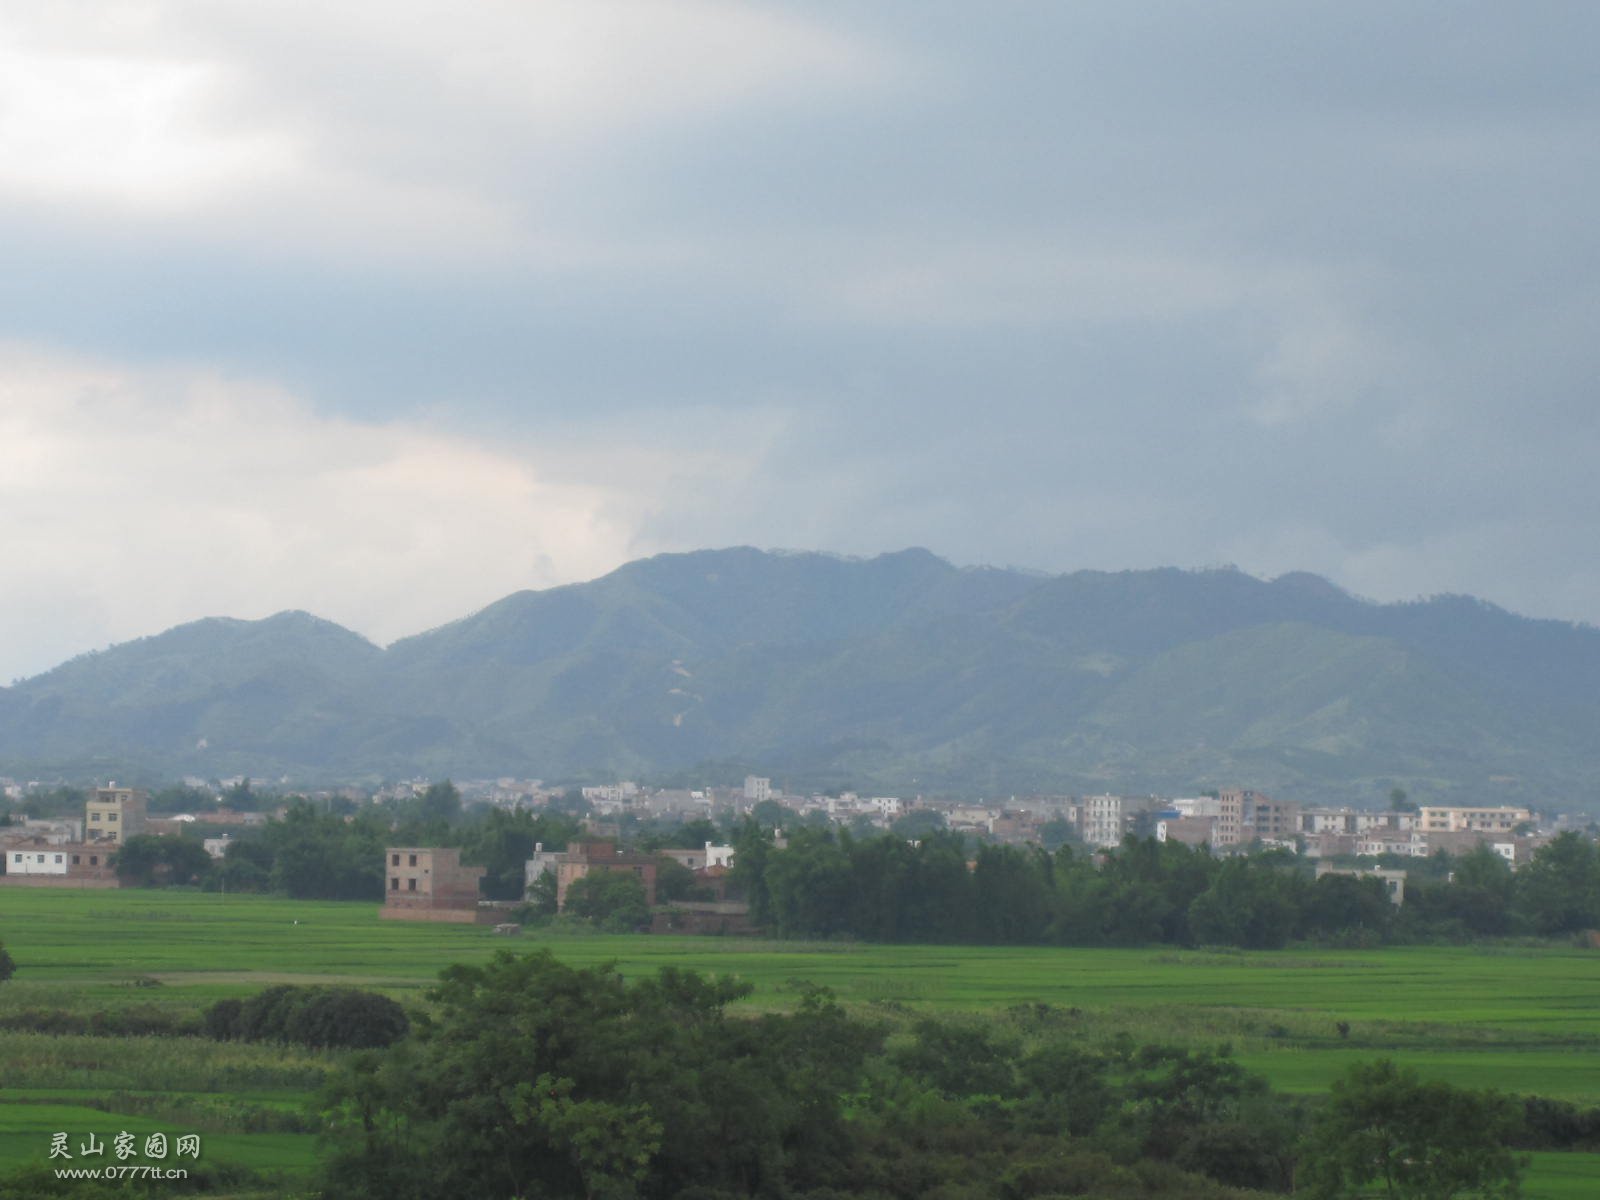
(387, 310)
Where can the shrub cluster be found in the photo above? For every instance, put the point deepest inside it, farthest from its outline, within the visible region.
(133, 1021)
(319, 1017)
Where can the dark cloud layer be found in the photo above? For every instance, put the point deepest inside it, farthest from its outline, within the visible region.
(1300, 287)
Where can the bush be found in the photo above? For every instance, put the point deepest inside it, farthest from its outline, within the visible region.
(8, 968)
(318, 1017)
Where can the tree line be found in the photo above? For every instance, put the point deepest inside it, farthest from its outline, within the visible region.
(940, 887)
(828, 883)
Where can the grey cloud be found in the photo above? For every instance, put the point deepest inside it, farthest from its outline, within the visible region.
(1092, 285)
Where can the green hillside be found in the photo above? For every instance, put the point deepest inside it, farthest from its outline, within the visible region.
(900, 672)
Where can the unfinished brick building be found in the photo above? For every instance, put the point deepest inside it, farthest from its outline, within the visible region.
(428, 883)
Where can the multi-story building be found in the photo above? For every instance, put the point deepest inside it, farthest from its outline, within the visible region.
(428, 883)
(756, 789)
(115, 814)
(1270, 819)
(1472, 820)
(1104, 820)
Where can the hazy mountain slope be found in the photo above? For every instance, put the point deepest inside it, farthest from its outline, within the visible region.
(899, 672)
(213, 690)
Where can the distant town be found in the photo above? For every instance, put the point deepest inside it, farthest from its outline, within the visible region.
(63, 849)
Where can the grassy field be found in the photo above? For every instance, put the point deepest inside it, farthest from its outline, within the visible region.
(1520, 1019)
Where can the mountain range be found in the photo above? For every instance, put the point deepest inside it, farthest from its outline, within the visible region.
(900, 673)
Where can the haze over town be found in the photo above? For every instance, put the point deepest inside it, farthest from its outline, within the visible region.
(386, 312)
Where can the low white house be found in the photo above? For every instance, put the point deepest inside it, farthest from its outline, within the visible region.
(36, 862)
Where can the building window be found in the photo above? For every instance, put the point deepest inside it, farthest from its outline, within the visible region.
(413, 860)
(111, 816)
(76, 860)
(394, 881)
(58, 858)
(411, 885)
(95, 817)
(94, 860)
(394, 860)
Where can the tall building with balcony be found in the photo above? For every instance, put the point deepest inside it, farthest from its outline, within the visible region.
(115, 814)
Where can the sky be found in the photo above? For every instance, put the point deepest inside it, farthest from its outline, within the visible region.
(385, 311)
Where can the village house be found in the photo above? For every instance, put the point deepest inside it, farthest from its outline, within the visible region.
(59, 864)
(115, 814)
(428, 883)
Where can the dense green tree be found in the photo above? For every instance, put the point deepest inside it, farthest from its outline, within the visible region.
(1335, 904)
(809, 885)
(1558, 891)
(939, 906)
(1478, 900)
(1152, 885)
(319, 1017)
(138, 859)
(502, 842)
(1013, 895)
(316, 855)
(1383, 1131)
(1066, 1088)
(674, 881)
(614, 900)
(8, 966)
(753, 851)
(241, 797)
(246, 866)
(145, 861)
(440, 804)
(539, 1079)
(1246, 905)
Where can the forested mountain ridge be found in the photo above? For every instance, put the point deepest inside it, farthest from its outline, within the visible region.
(900, 672)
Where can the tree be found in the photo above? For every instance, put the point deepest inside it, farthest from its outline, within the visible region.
(1384, 1128)
(539, 1079)
(8, 966)
(613, 899)
(502, 842)
(148, 861)
(1559, 890)
(1346, 904)
(674, 881)
(317, 856)
(441, 804)
(1250, 906)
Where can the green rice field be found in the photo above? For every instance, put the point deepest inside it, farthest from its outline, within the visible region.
(1521, 1019)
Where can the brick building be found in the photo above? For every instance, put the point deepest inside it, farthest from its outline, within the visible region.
(428, 883)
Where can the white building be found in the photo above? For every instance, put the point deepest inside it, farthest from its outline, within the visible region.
(1103, 820)
(33, 861)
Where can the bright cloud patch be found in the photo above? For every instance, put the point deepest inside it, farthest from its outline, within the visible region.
(134, 500)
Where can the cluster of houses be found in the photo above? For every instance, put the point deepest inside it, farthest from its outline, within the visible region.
(73, 853)
(1224, 820)
(69, 852)
(430, 883)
